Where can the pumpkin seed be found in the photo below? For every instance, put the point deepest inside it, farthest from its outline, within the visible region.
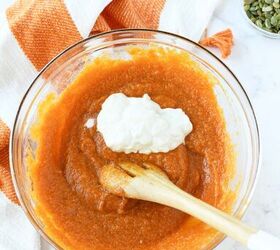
(273, 20)
(265, 9)
(267, 23)
(253, 19)
(246, 7)
(252, 9)
(259, 23)
(264, 13)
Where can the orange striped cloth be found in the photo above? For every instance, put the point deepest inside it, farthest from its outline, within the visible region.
(37, 30)
(41, 41)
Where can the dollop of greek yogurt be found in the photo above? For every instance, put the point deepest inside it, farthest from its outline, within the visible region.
(89, 123)
(140, 125)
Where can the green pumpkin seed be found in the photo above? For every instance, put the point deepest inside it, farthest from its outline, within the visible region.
(266, 9)
(248, 13)
(253, 19)
(269, 30)
(252, 9)
(267, 24)
(246, 7)
(273, 20)
(268, 16)
(264, 13)
(259, 23)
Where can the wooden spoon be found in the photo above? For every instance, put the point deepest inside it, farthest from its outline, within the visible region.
(150, 183)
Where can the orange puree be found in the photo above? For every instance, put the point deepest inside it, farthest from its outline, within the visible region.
(76, 211)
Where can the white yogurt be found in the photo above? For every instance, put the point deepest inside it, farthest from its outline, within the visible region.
(90, 123)
(131, 125)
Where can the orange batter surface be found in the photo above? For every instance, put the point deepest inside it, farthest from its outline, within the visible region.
(76, 211)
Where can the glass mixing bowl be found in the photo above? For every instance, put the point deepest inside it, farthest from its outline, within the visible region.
(60, 72)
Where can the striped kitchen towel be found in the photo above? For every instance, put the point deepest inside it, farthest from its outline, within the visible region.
(32, 32)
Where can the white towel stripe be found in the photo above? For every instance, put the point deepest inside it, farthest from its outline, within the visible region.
(187, 18)
(85, 13)
(16, 232)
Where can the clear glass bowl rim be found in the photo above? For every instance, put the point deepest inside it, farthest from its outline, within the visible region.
(240, 211)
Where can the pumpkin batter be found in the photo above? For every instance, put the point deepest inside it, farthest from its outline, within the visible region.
(74, 208)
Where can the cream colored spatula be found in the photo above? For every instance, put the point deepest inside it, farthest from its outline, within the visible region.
(149, 183)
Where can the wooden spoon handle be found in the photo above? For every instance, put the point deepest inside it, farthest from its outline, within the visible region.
(165, 192)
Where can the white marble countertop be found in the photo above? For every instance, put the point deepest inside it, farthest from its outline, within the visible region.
(255, 61)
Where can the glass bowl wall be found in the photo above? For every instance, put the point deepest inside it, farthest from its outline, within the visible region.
(61, 71)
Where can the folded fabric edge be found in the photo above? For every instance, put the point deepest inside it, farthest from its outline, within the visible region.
(187, 18)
